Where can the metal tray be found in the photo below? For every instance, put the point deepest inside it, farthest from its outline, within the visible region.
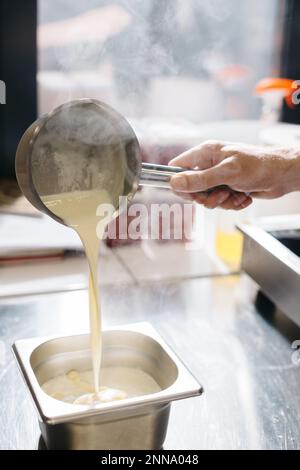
(268, 259)
(134, 423)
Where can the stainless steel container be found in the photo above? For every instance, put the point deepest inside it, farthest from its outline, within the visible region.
(135, 423)
(273, 266)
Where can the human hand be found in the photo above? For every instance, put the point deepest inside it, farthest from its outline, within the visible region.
(249, 171)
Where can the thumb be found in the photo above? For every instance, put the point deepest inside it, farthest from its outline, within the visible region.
(199, 180)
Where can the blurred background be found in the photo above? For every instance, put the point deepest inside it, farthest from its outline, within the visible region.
(194, 60)
(180, 71)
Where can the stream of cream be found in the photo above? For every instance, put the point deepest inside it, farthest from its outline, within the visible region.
(78, 210)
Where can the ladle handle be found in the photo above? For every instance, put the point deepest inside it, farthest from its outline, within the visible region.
(159, 176)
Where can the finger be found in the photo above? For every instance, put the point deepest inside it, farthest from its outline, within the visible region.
(200, 198)
(196, 181)
(245, 204)
(186, 196)
(214, 199)
(239, 198)
(197, 197)
(263, 195)
(202, 157)
(229, 204)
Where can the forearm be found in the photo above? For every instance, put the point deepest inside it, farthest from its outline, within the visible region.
(297, 172)
(292, 179)
(250, 171)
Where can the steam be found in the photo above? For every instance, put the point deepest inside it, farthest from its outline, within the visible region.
(82, 146)
(117, 51)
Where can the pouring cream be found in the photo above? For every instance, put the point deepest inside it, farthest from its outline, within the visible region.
(79, 210)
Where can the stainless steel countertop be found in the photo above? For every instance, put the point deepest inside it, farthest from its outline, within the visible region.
(242, 358)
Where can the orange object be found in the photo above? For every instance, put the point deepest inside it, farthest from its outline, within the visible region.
(287, 85)
(237, 71)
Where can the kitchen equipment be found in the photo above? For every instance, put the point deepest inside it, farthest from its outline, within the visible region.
(82, 145)
(273, 90)
(271, 257)
(133, 423)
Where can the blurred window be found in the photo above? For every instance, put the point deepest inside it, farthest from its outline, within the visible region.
(192, 59)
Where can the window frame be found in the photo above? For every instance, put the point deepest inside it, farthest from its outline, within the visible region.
(18, 69)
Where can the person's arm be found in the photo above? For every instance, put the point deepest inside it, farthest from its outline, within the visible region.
(251, 171)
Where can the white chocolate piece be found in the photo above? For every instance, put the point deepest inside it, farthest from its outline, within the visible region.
(73, 375)
(103, 396)
(85, 386)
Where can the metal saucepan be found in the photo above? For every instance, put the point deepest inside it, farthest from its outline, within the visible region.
(83, 145)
